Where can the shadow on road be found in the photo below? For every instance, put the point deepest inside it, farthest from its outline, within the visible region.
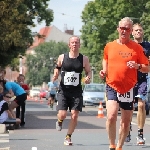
(47, 120)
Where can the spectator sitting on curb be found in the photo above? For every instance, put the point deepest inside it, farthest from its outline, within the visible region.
(5, 114)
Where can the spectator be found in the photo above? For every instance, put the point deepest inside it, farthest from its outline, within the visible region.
(5, 114)
(20, 81)
(15, 90)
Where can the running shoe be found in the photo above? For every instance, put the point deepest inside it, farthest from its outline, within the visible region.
(117, 148)
(58, 126)
(140, 141)
(67, 141)
(112, 147)
(128, 138)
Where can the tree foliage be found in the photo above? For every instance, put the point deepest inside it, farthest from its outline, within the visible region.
(100, 19)
(41, 64)
(16, 20)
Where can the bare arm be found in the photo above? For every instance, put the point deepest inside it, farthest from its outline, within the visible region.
(87, 69)
(12, 113)
(105, 65)
(140, 67)
(103, 72)
(9, 114)
(143, 65)
(57, 68)
(145, 68)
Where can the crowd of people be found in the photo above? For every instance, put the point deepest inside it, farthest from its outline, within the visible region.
(12, 95)
(126, 82)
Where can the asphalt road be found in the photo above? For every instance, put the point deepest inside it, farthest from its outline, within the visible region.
(90, 133)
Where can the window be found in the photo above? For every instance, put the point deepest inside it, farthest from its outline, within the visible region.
(95, 88)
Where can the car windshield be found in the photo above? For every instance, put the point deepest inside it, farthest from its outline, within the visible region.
(94, 88)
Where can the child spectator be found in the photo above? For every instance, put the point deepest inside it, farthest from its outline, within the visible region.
(5, 114)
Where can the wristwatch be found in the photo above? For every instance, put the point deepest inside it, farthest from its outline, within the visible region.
(139, 66)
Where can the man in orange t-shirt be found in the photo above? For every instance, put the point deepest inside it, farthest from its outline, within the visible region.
(122, 58)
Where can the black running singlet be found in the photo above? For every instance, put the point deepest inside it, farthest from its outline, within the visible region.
(71, 72)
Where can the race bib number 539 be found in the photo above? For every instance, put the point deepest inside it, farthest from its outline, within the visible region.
(126, 97)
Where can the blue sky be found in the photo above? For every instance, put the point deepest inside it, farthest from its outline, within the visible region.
(66, 12)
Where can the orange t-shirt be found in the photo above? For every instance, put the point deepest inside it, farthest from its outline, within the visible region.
(119, 76)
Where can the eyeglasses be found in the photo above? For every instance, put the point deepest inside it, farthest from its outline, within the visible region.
(7, 96)
(124, 28)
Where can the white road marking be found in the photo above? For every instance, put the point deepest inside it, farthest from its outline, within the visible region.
(4, 138)
(5, 148)
(4, 134)
(34, 148)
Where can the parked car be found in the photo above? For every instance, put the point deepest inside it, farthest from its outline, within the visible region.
(93, 94)
(43, 93)
(34, 92)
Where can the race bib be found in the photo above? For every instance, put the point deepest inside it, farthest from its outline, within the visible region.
(71, 78)
(126, 97)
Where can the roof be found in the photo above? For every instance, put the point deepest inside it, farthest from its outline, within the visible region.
(45, 31)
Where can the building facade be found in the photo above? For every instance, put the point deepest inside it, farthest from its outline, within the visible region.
(49, 33)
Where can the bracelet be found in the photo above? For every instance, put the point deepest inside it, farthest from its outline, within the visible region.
(139, 66)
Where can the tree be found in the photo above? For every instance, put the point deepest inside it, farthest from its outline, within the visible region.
(16, 20)
(100, 19)
(41, 64)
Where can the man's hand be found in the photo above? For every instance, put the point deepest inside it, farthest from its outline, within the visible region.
(132, 64)
(102, 74)
(87, 80)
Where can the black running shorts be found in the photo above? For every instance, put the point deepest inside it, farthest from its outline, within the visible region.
(71, 100)
(112, 95)
(20, 99)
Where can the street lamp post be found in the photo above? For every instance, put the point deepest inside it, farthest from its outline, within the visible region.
(51, 66)
(92, 68)
(20, 64)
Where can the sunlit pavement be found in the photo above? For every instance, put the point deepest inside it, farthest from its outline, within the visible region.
(90, 133)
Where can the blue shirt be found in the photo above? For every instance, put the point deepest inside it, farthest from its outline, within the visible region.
(16, 88)
(52, 87)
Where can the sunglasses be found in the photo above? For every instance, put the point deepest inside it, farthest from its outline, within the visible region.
(7, 96)
(124, 28)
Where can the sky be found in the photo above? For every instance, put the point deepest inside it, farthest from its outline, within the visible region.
(66, 12)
